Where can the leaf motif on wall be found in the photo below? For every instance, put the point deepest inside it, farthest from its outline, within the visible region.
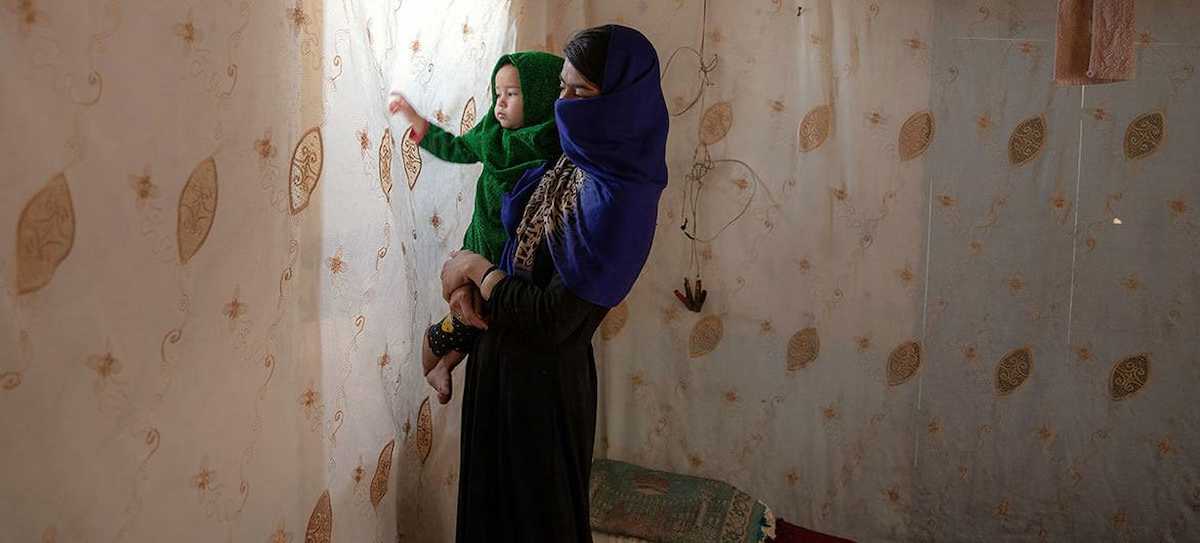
(197, 209)
(45, 234)
(706, 335)
(803, 349)
(1129, 376)
(424, 437)
(10, 380)
(308, 159)
(903, 363)
(1144, 135)
(715, 124)
(614, 322)
(387, 147)
(916, 134)
(1027, 141)
(468, 117)
(320, 522)
(815, 128)
(412, 158)
(383, 470)
(1013, 370)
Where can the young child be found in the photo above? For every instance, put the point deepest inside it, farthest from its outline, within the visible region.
(517, 134)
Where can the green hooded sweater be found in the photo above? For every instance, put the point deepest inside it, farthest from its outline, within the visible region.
(505, 153)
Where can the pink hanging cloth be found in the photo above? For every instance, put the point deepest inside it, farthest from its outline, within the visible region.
(1095, 42)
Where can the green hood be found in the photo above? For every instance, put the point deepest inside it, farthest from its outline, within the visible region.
(506, 154)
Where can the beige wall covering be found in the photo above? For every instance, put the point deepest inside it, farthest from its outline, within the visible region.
(952, 302)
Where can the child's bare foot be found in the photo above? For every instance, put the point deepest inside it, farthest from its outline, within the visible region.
(439, 379)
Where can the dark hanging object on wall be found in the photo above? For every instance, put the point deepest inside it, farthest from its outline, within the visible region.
(693, 300)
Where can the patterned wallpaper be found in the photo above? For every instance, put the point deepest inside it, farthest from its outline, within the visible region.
(944, 299)
(221, 251)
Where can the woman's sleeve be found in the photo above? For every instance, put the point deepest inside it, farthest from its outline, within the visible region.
(549, 315)
(448, 147)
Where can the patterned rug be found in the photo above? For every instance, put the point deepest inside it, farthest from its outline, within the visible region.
(672, 508)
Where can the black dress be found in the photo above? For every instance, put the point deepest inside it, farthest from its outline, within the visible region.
(529, 415)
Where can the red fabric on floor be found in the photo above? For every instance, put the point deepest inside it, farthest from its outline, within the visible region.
(786, 532)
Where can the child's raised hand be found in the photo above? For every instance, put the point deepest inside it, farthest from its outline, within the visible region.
(398, 103)
(420, 126)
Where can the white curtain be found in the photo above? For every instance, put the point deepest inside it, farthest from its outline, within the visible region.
(216, 271)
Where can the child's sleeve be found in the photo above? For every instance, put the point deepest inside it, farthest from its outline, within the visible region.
(448, 147)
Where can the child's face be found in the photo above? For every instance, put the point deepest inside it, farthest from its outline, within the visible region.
(510, 105)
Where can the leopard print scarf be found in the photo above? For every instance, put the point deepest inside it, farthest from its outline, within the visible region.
(552, 206)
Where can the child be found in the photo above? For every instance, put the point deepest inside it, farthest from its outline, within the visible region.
(517, 134)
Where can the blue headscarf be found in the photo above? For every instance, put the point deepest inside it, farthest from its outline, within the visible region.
(618, 141)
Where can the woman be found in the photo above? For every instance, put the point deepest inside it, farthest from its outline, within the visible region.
(580, 230)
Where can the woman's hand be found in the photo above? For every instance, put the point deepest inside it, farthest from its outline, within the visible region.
(466, 304)
(420, 126)
(463, 268)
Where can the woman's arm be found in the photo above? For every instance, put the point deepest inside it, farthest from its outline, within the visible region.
(550, 314)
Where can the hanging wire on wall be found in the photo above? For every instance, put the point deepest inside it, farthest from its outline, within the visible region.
(694, 181)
